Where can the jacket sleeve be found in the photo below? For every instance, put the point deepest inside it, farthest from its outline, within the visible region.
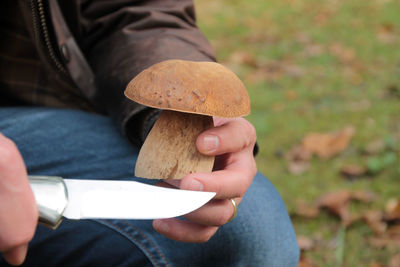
(121, 38)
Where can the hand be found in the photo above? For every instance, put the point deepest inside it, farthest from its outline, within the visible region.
(232, 142)
(18, 211)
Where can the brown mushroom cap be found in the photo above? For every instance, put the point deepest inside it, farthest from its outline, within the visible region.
(206, 88)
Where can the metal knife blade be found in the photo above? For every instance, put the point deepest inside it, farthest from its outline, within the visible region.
(108, 199)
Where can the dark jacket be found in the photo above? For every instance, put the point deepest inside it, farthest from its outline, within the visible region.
(100, 45)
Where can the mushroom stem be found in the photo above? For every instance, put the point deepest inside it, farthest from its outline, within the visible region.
(169, 151)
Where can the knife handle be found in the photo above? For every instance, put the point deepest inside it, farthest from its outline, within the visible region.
(51, 198)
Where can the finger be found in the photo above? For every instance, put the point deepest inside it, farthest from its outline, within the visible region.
(184, 231)
(231, 182)
(16, 256)
(226, 184)
(235, 135)
(18, 211)
(215, 213)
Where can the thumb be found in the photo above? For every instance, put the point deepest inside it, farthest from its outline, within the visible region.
(16, 256)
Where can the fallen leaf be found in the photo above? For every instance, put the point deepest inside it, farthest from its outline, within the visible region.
(305, 243)
(291, 94)
(305, 262)
(387, 33)
(337, 204)
(312, 50)
(270, 71)
(327, 145)
(392, 91)
(298, 167)
(363, 196)
(392, 210)
(302, 38)
(394, 230)
(376, 264)
(344, 54)
(353, 171)
(394, 261)
(306, 211)
(293, 71)
(385, 241)
(299, 153)
(298, 160)
(244, 58)
(374, 221)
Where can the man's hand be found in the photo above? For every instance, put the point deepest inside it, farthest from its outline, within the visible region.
(232, 141)
(18, 211)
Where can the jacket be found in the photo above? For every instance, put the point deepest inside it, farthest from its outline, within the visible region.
(97, 46)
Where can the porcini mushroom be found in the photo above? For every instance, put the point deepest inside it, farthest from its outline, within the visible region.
(190, 94)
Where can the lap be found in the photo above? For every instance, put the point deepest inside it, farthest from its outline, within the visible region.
(75, 144)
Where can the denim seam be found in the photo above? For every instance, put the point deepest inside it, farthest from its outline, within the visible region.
(137, 242)
(157, 248)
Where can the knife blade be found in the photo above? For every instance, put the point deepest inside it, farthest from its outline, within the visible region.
(57, 197)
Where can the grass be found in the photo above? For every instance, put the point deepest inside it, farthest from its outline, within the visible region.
(317, 65)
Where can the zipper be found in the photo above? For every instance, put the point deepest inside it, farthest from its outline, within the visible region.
(40, 26)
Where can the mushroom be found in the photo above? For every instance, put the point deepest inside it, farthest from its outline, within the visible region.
(189, 94)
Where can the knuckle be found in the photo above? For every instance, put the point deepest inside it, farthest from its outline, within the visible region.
(224, 216)
(218, 188)
(249, 132)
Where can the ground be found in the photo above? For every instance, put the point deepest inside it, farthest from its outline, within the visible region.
(321, 67)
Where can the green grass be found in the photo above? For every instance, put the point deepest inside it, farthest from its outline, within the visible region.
(327, 64)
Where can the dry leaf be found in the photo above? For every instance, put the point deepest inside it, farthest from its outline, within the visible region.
(298, 167)
(353, 171)
(306, 211)
(293, 71)
(334, 199)
(245, 58)
(376, 264)
(374, 221)
(298, 160)
(394, 230)
(326, 145)
(291, 94)
(337, 203)
(312, 50)
(394, 261)
(392, 91)
(305, 243)
(305, 262)
(344, 54)
(392, 210)
(363, 196)
(299, 153)
(385, 241)
(387, 33)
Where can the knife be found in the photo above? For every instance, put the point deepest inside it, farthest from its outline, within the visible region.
(57, 197)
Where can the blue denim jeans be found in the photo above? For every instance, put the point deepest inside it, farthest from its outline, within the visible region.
(76, 144)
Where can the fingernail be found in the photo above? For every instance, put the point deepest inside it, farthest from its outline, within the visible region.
(195, 185)
(161, 226)
(210, 143)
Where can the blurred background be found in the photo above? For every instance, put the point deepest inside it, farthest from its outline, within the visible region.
(324, 81)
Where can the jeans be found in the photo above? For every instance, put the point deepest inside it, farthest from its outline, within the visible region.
(80, 145)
